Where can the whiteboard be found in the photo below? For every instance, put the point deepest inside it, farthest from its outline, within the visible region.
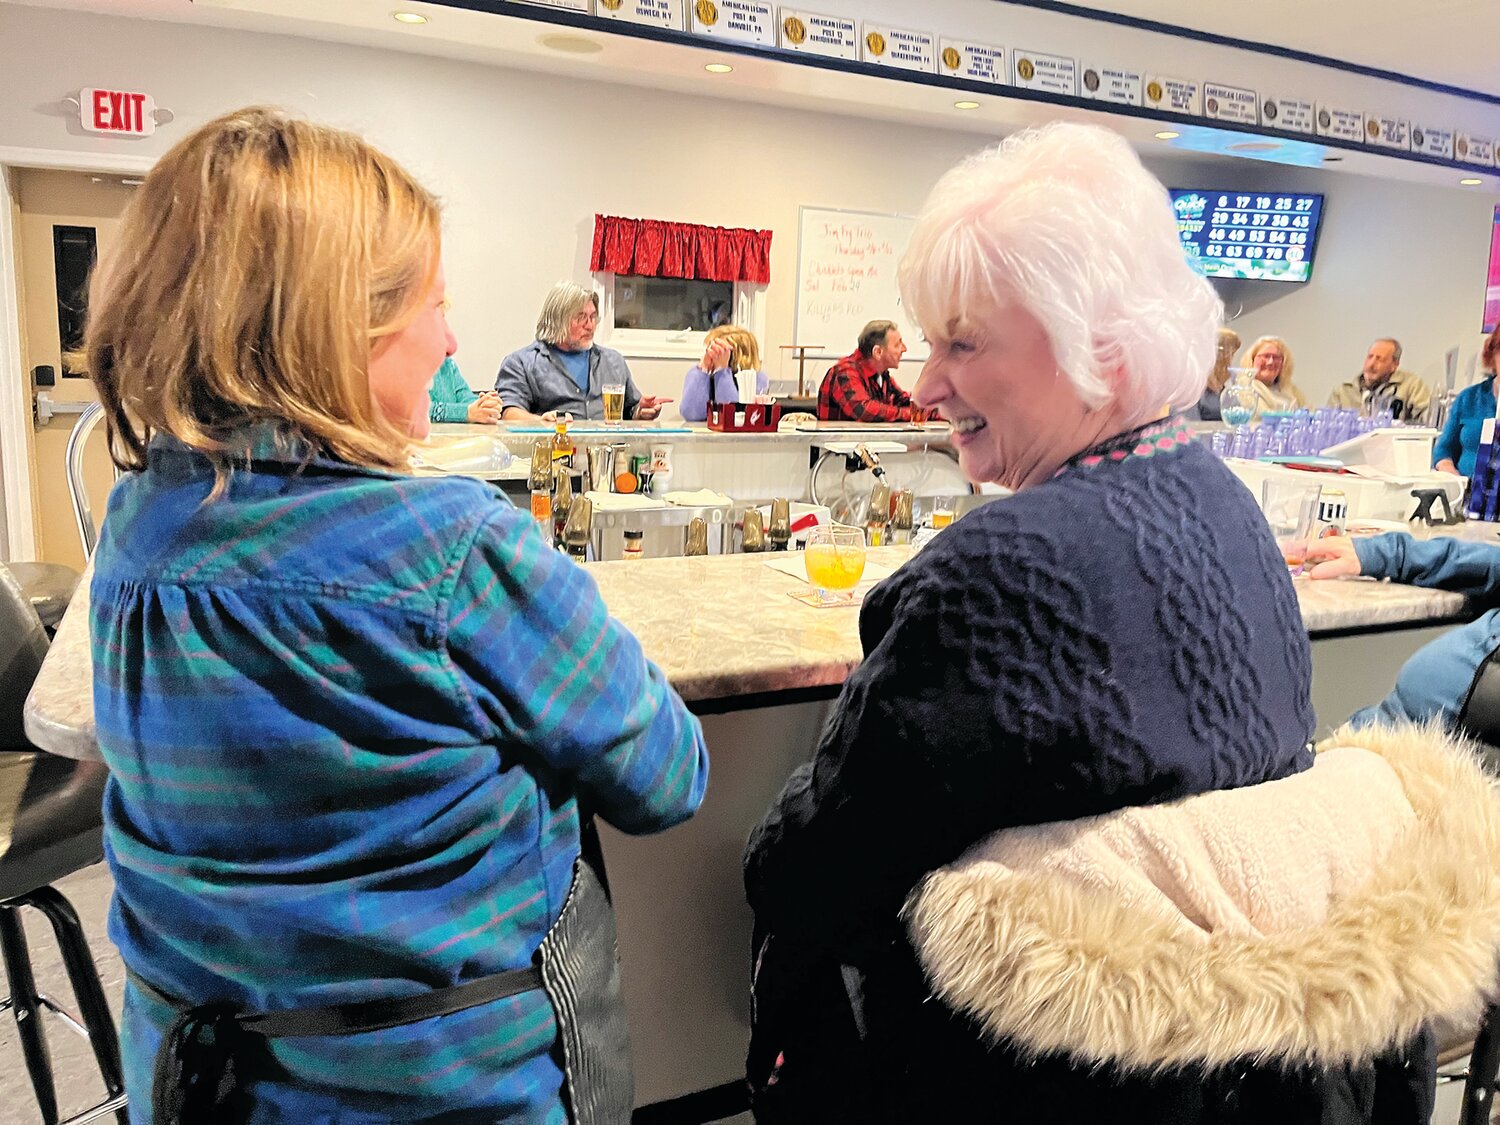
(846, 277)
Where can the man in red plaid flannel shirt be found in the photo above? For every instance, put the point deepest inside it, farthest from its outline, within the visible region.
(859, 388)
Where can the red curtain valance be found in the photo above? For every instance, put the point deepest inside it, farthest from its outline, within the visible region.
(657, 248)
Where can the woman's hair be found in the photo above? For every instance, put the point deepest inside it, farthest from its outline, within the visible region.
(565, 300)
(256, 266)
(1247, 359)
(1491, 349)
(744, 351)
(1064, 222)
(1228, 344)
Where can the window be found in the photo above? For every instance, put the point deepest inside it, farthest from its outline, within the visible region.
(667, 317)
(672, 304)
(74, 251)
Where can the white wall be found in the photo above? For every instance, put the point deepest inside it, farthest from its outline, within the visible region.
(1394, 259)
(525, 160)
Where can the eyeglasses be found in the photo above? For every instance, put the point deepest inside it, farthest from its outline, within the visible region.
(586, 318)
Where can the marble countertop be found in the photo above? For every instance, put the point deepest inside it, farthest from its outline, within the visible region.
(720, 627)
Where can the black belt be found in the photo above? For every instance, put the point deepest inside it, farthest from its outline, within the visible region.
(198, 1068)
(366, 1015)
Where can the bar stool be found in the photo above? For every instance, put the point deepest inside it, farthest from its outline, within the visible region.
(50, 826)
(48, 587)
(83, 513)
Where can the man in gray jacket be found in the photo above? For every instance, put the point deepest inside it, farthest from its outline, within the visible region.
(563, 370)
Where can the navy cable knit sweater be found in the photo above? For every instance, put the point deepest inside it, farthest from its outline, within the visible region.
(1123, 634)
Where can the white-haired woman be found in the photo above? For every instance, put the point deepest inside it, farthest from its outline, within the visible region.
(1122, 632)
(563, 371)
(1270, 360)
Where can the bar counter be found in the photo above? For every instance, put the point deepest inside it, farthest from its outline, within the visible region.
(761, 668)
(727, 633)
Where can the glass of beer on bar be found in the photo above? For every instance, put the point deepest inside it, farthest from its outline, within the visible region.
(614, 403)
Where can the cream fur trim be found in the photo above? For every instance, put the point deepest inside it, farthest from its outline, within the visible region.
(1053, 967)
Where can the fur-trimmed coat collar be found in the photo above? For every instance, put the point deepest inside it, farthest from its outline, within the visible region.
(1052, 964)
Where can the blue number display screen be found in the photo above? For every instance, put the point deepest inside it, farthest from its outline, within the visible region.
(1258, 236)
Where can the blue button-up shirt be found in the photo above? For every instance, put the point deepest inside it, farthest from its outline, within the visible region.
(1435, 681)
(534, 379)
(350, 718)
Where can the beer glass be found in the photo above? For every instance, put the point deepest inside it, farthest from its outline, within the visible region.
(614, 403)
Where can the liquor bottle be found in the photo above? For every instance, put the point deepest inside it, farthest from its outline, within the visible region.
(753, 537)
(899, 532)
(877, 514)
(780, 532)
(562, 444)
(695, 542)
(541, 485)
(562, 500)
(578, 528)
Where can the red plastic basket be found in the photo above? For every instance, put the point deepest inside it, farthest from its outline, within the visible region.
(744, 418)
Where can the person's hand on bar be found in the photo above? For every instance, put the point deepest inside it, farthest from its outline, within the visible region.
(1334, 557)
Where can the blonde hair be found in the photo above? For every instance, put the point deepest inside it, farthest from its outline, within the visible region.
(256, 265)
(1065, 223)
(1247, 358)
(564, 301)
(744, 351)
(1228, 344)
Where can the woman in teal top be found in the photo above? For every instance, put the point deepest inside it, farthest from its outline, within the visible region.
(453, 400)
(1458, 444)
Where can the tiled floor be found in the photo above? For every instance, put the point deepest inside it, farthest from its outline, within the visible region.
(78, 1082)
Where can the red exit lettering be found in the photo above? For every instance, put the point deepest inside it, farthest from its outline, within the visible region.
(117, 111)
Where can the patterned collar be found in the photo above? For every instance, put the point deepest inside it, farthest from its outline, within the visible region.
(1161, 435)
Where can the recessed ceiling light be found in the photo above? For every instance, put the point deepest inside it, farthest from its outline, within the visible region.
(1471, 181)
(718, 68)
(128, 182)
(408, 17)
(571, 44)
(1167, 135)
(965, 105)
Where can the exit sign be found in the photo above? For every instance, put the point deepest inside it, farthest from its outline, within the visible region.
(120, 113)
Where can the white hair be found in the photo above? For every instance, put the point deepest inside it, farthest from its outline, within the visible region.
(1064, 222)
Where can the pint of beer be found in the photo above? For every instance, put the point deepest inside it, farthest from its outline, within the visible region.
(614, 403)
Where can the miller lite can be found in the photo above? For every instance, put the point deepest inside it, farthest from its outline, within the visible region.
(1333, 513)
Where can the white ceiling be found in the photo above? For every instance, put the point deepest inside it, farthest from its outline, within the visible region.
(1448, 41)
(1459, 33)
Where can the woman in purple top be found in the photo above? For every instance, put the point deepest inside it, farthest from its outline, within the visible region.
(726, 349)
